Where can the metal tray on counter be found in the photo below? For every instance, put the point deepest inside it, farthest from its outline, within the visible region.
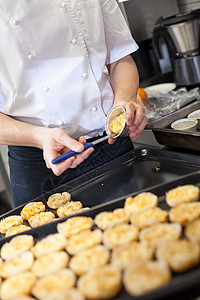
(167, 136)
(136, 170)
(182, 286)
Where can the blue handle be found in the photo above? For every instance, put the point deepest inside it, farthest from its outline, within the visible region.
(70, 154)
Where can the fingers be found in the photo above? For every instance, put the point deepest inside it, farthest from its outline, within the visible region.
(136, 119)
(71, 162)
(135, 132)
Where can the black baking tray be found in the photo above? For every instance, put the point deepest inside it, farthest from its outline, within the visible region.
(184, 286)
(136, 170)
(167, 136)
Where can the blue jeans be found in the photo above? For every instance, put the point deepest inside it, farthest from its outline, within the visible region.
(30, 177)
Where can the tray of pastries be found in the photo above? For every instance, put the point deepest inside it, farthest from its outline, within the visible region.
(145, 246)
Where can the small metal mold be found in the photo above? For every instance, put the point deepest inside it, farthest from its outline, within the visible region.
(116, 122)
(186, 124)
(195, 115)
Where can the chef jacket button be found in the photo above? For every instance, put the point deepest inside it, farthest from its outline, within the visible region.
(85, 75)
(45, 88)
(94, 108)
(60, 122)
(63, 5)
(30, 56)
(100, 133)
(74, 41)
(15, 22)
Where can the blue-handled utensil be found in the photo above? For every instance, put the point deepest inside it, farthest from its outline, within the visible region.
(73, 153)
(114, 112)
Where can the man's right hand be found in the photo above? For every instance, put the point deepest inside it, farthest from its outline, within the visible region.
(56, 142)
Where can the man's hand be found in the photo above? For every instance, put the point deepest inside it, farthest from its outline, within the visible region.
(136, 119)
(56, 142)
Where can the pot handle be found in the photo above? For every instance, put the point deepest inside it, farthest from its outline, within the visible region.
(161, 32)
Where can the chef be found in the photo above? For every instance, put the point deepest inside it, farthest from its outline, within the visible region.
(63, 66)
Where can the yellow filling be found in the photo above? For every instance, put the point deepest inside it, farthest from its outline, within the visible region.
(117, 123)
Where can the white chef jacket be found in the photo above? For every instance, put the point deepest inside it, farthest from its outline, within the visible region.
(52, 57)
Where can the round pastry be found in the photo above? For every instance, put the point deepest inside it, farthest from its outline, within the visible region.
(89, 259)
(160, 233)
(50, 263)
(83, 240)
(120, 235)
(145, 276)
(58, 199)
(23, 262)
(131, 253)
(16, 246)
(32, 208)
(54, 283)
(24, 297)
(192, 231)
(69, 209)
(179, 255)
(9, 222)
(108, 219)
(185, 212)
(41, 219)
(20, 284)
(74, 225)
(149, 217)
(69, 294)
(17, 229)
(182, 194)
(52, 243)
(101, 283)
(140, 202)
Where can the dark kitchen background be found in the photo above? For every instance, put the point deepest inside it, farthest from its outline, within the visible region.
(141, 16)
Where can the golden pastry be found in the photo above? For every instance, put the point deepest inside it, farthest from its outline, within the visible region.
(69, 294)
(49, 263)
(101, 283)
(20, 284)
(192, 231)
(149, 217)
(16, 246)
(23, 262)
(119, 235)
(24, 297)
(146, 276)
(160, 233)
(9, 222)
(69, 209)
(32, 208)
(108, 219)
(182, 194)
(140, 202)
(74, 225)
(131, 253)
(179, 255)
(89, 259)
(41, 219)
(17, 229)
(54, 283)
(83, 240)
(51, 243)
(58, 199)
(185, 212)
